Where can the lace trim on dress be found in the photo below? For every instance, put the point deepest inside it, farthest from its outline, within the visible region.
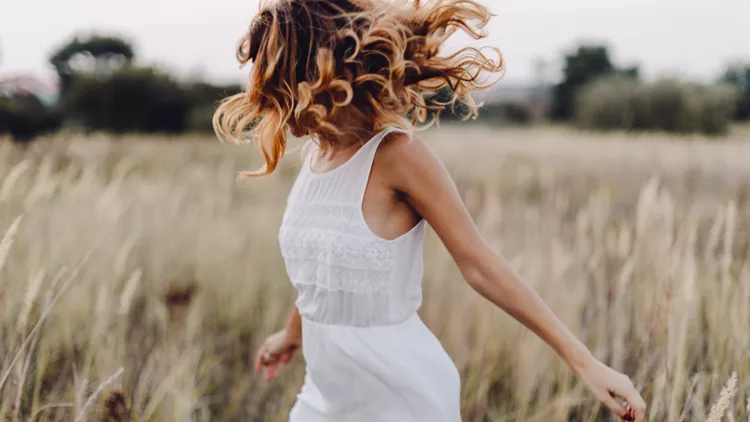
(326, 245)
(340, 217)
(335, 278)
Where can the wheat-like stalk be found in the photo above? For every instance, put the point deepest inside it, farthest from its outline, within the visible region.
(31, 294)
(92, 398)
(23, 372)
(8, 239)
(11, 178)
(80, 394)
(44, 184)
(47, 407)
(725, 397)
(49, 308)
(122, 256)
(128, 292)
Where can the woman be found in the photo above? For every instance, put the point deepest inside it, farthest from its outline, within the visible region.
(353, 75)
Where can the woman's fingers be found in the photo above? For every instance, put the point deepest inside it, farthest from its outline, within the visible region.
(639, 414)
(267, 372)
(271, 363)
(273, 370)
(635, 405)
(615, 406)
(270, 371)
(271, 366)
(264, 358)
(635, 402)
(259, 360)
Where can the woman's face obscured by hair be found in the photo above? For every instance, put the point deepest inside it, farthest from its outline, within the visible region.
(327, 67)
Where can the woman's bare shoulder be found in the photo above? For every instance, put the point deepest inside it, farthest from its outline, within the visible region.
(407, 159)
(401, 148)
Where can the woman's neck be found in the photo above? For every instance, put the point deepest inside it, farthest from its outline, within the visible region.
(350, 138)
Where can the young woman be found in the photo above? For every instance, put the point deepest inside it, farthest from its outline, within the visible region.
(352, 75)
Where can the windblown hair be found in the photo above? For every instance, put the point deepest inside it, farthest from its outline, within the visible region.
(330, 66)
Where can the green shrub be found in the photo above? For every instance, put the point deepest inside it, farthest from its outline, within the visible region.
(204, 99)
(129, 100)
(665, 105)
(738, 77)
(607, 104)
(201, 118)
(516, 113)
(25, 117)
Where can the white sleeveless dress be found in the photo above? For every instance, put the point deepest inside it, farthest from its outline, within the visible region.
(369, 356)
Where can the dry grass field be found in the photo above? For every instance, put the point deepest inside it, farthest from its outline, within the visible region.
(137, 277)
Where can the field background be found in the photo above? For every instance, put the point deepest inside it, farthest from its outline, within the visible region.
(146, 254)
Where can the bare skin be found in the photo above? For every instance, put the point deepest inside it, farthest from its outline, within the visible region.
(408, 183)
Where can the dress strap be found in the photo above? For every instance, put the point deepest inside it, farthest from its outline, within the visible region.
(365, 166)
(306, 152)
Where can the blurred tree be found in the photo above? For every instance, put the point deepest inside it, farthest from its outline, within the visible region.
(583, 66)
(738, 75)
(633, 72)
(202, 92)
(587, 63)
(101, 89)
(130, 100)
(25, 117)
(96, 54)
(508, 113)
(669, 105)
(204, 98)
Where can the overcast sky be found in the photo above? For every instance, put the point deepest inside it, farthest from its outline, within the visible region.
(690, 38)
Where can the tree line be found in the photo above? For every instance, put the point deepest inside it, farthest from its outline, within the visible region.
(102, 88)
(596, 94)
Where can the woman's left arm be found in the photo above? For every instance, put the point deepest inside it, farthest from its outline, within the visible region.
(414, 171)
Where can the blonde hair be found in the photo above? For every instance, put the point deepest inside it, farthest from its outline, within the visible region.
(321, 63)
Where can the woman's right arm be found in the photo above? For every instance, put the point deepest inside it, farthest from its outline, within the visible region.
(293, 325)
(279, 348)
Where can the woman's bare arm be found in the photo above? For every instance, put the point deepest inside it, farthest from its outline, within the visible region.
(279, 348)
(413, 170)
(293, 325)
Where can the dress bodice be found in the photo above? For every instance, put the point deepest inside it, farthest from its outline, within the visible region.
(343, 272)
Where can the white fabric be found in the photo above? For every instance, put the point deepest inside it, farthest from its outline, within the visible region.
(369, 356)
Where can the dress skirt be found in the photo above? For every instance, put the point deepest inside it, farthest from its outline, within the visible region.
(388, 373)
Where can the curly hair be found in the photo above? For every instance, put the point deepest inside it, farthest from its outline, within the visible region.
(323, 64)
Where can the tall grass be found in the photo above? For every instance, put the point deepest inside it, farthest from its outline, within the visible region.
(146, 255)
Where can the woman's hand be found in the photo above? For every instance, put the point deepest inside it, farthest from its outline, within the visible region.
(613, 389)
(276, 351)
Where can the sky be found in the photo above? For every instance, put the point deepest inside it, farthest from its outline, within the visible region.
(196, 38)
